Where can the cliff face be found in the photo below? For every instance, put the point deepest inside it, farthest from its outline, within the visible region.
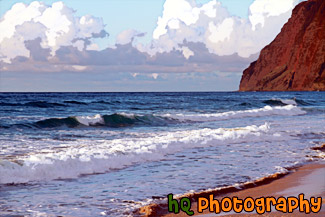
(295, 59)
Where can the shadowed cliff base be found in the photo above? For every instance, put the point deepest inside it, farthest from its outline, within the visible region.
(295, 59)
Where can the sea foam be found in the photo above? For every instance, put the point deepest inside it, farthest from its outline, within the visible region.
(103, 156)
(288, 110)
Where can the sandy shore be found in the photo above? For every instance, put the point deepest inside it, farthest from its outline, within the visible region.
(308, 179)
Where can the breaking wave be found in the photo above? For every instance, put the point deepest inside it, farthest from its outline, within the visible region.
(113, 120)
(117, 120)
(284, 102)
(288, 110)
(102, 156)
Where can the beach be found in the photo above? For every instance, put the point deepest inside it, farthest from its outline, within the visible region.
(308, 179)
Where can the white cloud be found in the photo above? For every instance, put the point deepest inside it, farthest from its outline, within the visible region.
(9, 48)
(187, 52)
(79, 44)
(222, 31)
(188, 37)
(211, 24)
(185, 11)
(18, 14)
(175, 10)
(127, 36)
(261, 9)
(154, 75)
(56, 25)
(93, 46)
(14, 44)
(79, 68)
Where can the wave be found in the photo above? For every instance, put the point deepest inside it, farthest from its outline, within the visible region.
(113, 120)
(44, 104)
(302, 102)
(274, 102)
(288, 110)
(38, 104)
(10, 104)
(113, 102)
(75, 102)
(117, 120)
(102, 156)
(106, 102)
(245, 104)
(283, 102)
(57, 122)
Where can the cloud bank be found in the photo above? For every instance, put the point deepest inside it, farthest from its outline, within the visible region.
(211, 24)
(55, 25)
(188, 38)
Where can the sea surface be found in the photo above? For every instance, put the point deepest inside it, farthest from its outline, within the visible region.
(97, 154)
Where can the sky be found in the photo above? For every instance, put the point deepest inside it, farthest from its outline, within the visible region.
(127, 45)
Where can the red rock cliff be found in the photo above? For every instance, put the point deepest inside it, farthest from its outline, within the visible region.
(295, 59)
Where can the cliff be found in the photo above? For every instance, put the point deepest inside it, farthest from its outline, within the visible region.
(295, 59)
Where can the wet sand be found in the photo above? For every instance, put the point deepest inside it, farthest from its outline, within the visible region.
(308, 179)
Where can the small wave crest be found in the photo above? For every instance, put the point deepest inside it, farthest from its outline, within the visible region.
(280, 102)
(290, 110)
(284, 102)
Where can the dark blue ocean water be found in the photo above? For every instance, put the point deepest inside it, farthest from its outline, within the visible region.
(85, 154)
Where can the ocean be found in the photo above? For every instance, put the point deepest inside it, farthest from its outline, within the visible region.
(107, 154)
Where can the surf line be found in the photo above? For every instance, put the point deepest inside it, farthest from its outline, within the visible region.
(261, 205)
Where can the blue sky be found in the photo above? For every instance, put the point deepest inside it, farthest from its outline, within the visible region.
(197, 45)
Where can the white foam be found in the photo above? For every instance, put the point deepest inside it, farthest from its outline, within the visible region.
(102, 156)
(288, 101)
(90, 120)
(288, 110)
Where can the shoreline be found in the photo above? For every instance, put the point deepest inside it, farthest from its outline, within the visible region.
(308, 179)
